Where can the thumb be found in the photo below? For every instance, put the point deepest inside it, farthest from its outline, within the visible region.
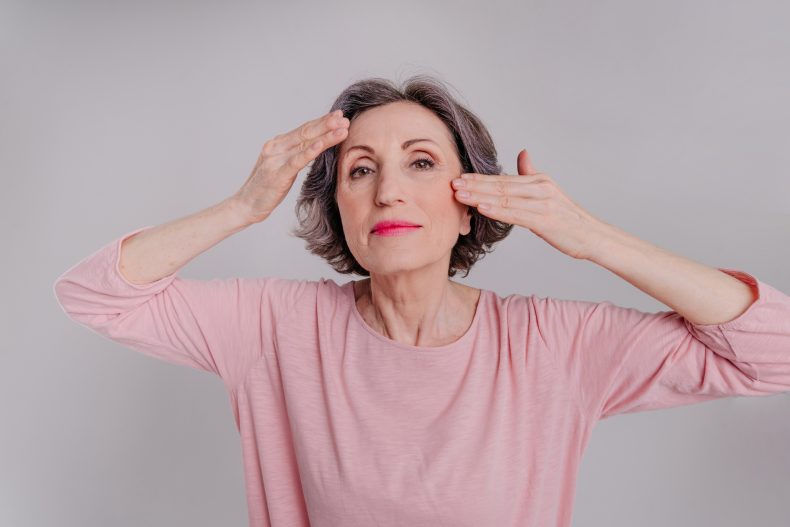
(524, 163)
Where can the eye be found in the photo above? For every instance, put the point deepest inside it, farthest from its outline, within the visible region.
(353, 172)
(427, 166)
(429, 162)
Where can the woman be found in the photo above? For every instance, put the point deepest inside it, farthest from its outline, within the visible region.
(408, 398)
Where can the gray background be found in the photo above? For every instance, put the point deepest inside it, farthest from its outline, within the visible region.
(667, 119)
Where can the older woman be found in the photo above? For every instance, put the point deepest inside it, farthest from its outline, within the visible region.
(407, 398)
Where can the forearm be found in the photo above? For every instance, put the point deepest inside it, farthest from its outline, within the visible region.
(701, 294)
(159, 251)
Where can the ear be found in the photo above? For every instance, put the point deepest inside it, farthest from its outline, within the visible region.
(466, 226)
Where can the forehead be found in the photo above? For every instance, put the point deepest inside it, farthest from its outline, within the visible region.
(394, 123)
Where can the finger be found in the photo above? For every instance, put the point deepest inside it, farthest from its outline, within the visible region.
(310, 150)
(525, 164)
(508, 208)
(529, 202)
(303, 136)
(524, 186)
(473, 176)
(306, 134)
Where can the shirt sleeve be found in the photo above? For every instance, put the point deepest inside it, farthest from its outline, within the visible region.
(621, 360)
(221, 326)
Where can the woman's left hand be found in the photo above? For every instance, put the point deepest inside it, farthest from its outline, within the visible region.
(533, 200)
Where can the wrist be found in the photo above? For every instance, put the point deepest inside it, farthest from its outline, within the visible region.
(605, 242)
(240, 212)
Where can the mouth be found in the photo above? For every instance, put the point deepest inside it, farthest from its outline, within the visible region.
(399, 230)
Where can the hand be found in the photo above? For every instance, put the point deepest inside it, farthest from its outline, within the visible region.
(281, 159)
(533, 200)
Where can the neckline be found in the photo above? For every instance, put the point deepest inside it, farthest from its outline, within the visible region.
(458, 343)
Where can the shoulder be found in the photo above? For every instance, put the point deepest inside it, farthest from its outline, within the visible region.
(511, 303)
(542, 312)
(295, 290)
(304, 294)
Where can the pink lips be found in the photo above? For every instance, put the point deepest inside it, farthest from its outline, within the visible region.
(395, 231)
(394, 228)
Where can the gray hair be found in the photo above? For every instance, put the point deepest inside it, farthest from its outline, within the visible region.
(316, 206)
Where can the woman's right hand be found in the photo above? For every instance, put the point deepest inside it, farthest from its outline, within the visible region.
(281, 159)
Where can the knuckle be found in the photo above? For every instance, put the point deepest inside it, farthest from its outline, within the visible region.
(268, 147)
(501, 187)
(303, 146)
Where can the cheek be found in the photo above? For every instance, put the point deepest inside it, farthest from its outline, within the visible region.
(353, 218)
(443, 205)
(445, 211)
(455, 205)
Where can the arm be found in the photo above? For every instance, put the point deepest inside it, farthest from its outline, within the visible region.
(221, 326)
(128, 290)
(159, 251)
(619, 360)
(700, 294)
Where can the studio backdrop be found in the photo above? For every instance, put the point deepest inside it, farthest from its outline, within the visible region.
(667, 120)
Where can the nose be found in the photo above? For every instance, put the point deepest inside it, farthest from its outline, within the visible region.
(389, 186)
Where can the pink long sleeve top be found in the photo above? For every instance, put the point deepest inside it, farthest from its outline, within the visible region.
(342, 426)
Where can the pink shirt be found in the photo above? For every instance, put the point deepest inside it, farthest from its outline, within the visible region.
(342, 426)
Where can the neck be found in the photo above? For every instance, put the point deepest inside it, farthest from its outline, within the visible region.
(422, 313)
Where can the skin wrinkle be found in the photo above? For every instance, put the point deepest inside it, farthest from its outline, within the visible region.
(408, 296)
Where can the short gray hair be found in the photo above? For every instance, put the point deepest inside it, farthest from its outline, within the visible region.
(316, 207)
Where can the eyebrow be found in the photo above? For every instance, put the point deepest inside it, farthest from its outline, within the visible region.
(404, 146)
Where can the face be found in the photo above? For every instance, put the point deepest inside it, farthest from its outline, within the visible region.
(388, 182)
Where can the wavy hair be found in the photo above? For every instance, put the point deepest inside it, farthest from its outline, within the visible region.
(316, 207)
